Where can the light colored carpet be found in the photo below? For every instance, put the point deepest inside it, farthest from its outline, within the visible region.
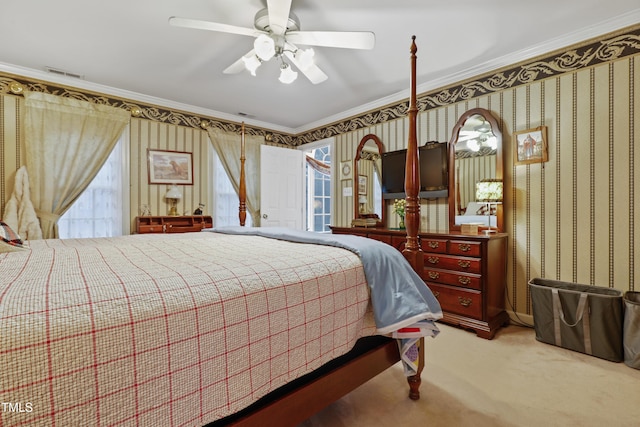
(512, 380)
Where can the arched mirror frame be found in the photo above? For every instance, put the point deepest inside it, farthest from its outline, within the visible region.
(363, 141)
(452, 168)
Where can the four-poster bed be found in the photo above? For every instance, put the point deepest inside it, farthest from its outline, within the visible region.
(366, 360)
(198, 328)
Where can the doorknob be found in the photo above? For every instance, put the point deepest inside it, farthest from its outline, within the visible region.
(265, 216)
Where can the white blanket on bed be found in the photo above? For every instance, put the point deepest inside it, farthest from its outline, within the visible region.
(179, 329)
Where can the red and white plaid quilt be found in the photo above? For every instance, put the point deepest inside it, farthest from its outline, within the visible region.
(178, 329)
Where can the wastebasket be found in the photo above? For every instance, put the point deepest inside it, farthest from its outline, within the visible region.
(631, 329)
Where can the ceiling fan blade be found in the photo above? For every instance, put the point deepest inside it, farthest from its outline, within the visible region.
(278, 15)
(313, 73)
(238, 66)
(213, 26)
(344, 39)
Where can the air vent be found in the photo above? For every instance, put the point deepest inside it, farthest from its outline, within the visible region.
(63, 73)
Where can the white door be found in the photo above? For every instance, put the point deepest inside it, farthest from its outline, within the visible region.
(281, 179)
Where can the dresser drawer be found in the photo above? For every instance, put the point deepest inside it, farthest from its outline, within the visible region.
(472, 281)
(465, 302)
(156, 228)
(434, 245)
(461, 247)
(457, 263)
(170, 228)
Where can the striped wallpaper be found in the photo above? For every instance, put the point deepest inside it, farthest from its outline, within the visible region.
(573, 218)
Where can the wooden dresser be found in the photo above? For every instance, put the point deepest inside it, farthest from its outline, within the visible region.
(467, 273)
(172, 224)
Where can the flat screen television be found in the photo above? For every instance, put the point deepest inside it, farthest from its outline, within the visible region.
(434, 172)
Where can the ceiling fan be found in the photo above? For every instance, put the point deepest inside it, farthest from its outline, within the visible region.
(276, 30)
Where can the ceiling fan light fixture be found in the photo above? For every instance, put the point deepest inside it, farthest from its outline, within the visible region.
(473, 145)
(265, 47)
(305, 58)
(251, 63)
(287, 75)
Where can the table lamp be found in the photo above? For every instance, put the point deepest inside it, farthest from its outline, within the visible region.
(172, 196)
(490, 192)
(363, 203)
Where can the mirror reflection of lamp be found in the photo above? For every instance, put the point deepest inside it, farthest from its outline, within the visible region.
(172, 196)
(490, 192)
(363, 203)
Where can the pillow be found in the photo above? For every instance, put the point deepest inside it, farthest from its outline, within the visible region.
(483, 210)
(473, 207)
(9, 240)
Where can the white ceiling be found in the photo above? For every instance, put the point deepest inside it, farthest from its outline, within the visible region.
(127, 48)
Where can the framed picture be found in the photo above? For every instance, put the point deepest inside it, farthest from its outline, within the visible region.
(531, 146)
(345, 169)
(170, 167)
(362, 185)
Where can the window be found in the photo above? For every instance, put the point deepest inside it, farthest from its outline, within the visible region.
(225, 199)
(318, 190)
(98, 212)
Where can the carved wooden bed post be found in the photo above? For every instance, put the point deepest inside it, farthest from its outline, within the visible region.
(242, 192)
(412, 251)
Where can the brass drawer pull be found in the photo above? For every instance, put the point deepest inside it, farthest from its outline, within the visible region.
(464, 247)
(434, 275)
(433, 259)
(434, 245)
(464, 264)
(465, 302)
(463, 280)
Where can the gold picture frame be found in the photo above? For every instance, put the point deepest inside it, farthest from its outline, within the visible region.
(170, 167)
(362, 185)
(346, 169)
(531, 146)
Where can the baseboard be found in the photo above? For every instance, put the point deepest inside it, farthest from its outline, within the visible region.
(520, 319)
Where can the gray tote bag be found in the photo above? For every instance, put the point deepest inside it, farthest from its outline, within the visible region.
(631, 329)
(578, 317)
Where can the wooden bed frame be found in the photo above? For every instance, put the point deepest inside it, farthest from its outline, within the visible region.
(296, 402)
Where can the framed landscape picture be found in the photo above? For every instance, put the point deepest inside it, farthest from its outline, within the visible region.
(170, 167)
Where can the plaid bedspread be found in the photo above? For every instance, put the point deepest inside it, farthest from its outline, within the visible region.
(176, 329)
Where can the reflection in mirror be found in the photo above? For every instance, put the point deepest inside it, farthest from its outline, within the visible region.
(368, 206)
(476, 146)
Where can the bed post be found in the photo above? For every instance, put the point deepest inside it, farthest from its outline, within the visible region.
(412, 251)
(242, 192)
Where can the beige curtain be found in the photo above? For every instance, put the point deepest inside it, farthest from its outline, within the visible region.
(227, 145)
(67, 141)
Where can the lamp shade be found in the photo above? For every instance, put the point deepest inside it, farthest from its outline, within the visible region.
(287, 75)
(251, 63)
(173, 193)
(305, 58)
(489, 190)
(265, 47)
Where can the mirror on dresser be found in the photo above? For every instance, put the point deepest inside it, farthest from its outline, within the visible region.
(475, 153)
(367, 182)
